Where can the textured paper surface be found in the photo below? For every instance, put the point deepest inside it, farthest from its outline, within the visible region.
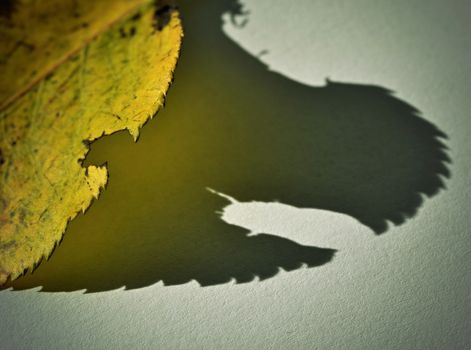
(408, 288)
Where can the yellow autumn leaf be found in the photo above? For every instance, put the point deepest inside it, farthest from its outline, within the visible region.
(72, 71)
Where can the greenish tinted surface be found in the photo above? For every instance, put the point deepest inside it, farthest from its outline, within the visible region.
(236, 127)
(407, 288)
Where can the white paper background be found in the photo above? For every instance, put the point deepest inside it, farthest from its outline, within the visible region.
(408, 289)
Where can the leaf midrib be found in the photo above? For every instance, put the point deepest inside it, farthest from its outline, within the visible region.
(69, 55)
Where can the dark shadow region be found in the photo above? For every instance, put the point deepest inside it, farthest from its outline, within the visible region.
(232, 125)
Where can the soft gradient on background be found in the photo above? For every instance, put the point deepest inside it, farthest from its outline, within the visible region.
(407, 288)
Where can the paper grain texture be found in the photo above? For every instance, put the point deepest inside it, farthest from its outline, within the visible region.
(408, 288)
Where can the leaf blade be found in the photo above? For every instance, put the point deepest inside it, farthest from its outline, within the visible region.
(115, 82)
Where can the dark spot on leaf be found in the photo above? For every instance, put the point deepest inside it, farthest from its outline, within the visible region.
(136, 17)
(7, 245)
(22, 215)
(122, 33)
(162, 14)
(7, 7)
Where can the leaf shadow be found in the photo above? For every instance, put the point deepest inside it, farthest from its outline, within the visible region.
(233, 125)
